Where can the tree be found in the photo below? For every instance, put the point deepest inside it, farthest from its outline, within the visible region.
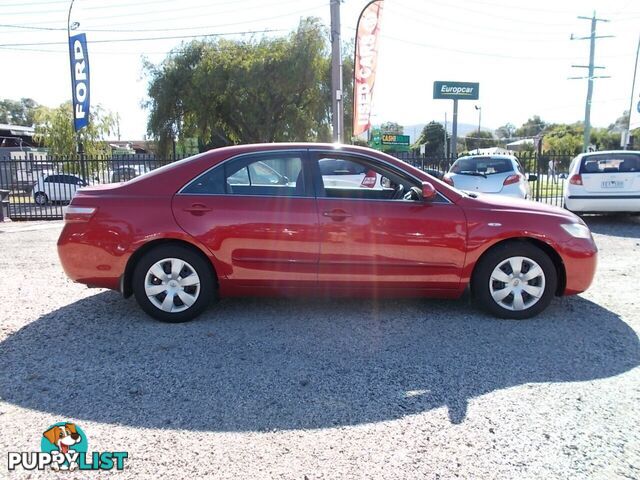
(20, 112)
(506, 131)
(531, 127)
(393, 128)
(482, 139)
(433, 138)
(54, 129)
(564, 139)
(225, 92)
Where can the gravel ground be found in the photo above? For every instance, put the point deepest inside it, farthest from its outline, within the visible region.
(269, 388)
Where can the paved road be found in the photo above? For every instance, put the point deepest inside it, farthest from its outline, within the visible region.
(267, 388)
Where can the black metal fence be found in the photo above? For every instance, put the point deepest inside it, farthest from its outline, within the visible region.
(40, 187)
(546, 172)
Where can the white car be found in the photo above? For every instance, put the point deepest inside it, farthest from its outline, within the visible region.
(340, 173)
(602, 182)
(499, 174)
(56, 187)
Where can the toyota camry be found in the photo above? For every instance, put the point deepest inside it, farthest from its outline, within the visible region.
(260, 220)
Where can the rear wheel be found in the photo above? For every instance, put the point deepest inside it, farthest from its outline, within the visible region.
(173, 283)
(41, 198)
(516, 280)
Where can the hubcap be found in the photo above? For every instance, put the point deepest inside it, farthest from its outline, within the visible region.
(172, 285)
(517, 283)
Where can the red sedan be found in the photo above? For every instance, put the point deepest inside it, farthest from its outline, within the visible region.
(313, 219)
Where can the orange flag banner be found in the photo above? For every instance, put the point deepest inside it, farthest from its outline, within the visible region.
(365, 63)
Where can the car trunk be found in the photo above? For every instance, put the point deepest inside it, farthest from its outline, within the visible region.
(612, 175)
(492, 184)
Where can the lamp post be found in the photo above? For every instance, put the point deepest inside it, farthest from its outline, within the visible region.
(479, 109)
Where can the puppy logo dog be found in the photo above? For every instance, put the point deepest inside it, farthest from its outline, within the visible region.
(64, 437)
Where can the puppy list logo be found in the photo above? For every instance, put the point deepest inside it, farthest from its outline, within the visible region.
(64, 447)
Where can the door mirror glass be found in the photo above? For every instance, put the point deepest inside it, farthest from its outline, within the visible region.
(533, 178)
(429, 192)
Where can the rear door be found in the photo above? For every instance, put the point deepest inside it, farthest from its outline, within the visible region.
(257, 214)
(611, 174)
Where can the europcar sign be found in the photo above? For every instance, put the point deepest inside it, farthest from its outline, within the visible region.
(79, 58)
(456, 90)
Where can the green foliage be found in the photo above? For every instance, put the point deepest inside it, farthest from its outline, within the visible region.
(563, 138)
(605, 139)
(54, 129)
(531, 127)
(433, 138)
(18, 112)
(393, 128)
(482, 139)
(225, 92)
(506, 131)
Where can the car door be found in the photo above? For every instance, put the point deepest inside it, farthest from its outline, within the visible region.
(257, 215)
(51, 187)
(377, 238)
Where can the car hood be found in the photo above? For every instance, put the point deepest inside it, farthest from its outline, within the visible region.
(515, 205)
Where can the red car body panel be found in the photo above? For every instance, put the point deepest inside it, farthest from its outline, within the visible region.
(281, 245)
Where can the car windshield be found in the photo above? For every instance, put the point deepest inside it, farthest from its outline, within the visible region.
(482, 166)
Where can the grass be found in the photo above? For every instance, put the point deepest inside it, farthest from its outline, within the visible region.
(547, 188)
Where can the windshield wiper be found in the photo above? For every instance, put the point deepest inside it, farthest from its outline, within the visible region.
(471, 172)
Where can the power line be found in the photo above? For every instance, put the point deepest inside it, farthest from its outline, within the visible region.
(118, 40)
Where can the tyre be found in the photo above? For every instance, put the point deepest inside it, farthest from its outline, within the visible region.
(41, 198)
(515, 280)
(174, 284)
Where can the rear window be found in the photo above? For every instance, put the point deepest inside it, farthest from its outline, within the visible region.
(610, 163)
(484, 165)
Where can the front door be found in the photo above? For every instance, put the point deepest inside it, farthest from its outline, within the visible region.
(377, 232)
(257, 215)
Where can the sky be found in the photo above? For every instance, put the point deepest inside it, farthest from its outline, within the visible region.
(520, 52)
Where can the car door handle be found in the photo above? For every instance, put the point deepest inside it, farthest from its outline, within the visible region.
(197, 209)
(337, 215)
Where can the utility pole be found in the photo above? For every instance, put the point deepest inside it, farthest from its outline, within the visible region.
(337, 116)
(446, 142)
(592, 47)
(633, 84)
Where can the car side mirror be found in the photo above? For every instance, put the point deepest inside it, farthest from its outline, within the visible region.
(429, 193)
(532, 178)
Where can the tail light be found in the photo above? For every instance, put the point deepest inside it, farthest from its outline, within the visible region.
(78, 214)
(448, 180)
(369, 180)
(511, 179)
(575, 179)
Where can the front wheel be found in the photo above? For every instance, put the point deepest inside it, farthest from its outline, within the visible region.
(173, 283)
(515, 280)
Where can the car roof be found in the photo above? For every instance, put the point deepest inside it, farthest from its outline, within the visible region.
(497, 157)
(609, 152)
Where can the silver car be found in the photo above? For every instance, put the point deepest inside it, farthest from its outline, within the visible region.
(498, 174)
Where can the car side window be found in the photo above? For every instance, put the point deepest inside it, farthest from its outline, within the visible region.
(359, 178)
(52, 179)
(278, 175)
